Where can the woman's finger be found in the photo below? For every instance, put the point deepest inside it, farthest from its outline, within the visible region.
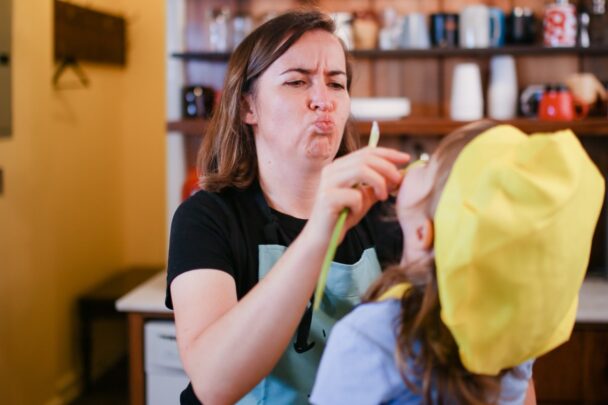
(356, 170)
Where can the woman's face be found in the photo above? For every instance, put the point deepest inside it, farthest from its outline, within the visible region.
(300, 104)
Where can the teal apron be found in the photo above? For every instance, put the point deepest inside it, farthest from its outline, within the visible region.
(291, 380)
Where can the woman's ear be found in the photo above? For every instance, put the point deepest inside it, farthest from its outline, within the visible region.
(248, 110)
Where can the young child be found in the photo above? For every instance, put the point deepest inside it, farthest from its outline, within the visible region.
(497, 235)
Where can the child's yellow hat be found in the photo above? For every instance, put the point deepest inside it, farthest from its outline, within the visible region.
(513, 231)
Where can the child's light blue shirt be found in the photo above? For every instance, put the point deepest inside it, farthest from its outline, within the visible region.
(358, 365)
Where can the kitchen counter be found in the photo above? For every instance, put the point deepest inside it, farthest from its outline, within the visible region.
(149, 297)
(147, 302)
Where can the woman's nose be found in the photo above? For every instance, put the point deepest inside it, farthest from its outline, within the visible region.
(321, 99)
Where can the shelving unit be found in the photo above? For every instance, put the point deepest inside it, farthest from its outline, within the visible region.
(576, 372)
(429, 114)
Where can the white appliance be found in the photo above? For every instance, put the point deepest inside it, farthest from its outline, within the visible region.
(165, 377)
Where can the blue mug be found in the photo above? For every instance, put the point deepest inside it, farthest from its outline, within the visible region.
(498, 27)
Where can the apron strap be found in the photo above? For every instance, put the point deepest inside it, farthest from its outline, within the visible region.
(273, 234)
(272, 231)
(301, 343)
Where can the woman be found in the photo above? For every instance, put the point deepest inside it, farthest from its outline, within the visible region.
(497, 231)
(245, 253)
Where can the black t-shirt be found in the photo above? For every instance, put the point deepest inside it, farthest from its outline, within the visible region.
(223, 231)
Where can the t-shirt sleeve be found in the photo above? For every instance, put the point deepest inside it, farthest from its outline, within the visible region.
(199, 239)
(514, 384)
(353, 370)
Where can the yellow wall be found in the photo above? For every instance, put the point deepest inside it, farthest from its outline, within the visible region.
(84, 191)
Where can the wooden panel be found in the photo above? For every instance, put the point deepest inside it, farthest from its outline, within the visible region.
(595, 374)
(421, 86)
(504, 5)
(558, 375)
(597, 148)
(136, 359)
(455, 6)
(192, 146)
(340, 5)
(597, 65)
(260, 8)
(538, 70)
(391, 82)
(363, 79)
(404, 7)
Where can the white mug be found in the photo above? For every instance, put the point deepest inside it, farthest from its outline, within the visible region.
(474, 26)
(502, 88)
(466, 101)
(344, 28)
(415, 33)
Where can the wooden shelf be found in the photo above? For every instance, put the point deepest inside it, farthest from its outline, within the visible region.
(420, 126)
(203, 56)
(193, 127)
(424, 126)
(531, 50)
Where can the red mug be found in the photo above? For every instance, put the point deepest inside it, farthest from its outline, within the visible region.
(557, 104)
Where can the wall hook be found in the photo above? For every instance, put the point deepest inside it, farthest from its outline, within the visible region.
(70, 63)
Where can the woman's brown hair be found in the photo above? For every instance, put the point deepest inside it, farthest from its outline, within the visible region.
(227, 156)
(422, 336)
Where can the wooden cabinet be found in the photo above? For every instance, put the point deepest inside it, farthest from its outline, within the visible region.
(577, 371)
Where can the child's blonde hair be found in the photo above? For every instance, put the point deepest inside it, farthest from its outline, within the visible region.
(422, 336)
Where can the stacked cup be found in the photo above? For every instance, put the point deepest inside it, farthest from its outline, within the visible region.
(466, 102)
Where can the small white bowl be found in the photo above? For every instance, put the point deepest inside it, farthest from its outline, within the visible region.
(379, 108)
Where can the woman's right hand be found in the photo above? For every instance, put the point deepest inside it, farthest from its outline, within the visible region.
(355, 181)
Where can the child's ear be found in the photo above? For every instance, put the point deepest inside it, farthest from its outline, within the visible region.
(248, 110)
(425, 234)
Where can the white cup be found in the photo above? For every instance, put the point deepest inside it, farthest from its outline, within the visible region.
(344, 28)
(415, 33)
(466, 101)
(502, 88)
(474, 26)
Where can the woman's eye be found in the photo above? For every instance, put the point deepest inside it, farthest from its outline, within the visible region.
(337, 85)
(296, 83)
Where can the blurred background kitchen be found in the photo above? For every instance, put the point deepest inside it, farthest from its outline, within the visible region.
(104, 103)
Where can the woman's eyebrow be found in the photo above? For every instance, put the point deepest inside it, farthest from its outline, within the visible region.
(310, 71)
